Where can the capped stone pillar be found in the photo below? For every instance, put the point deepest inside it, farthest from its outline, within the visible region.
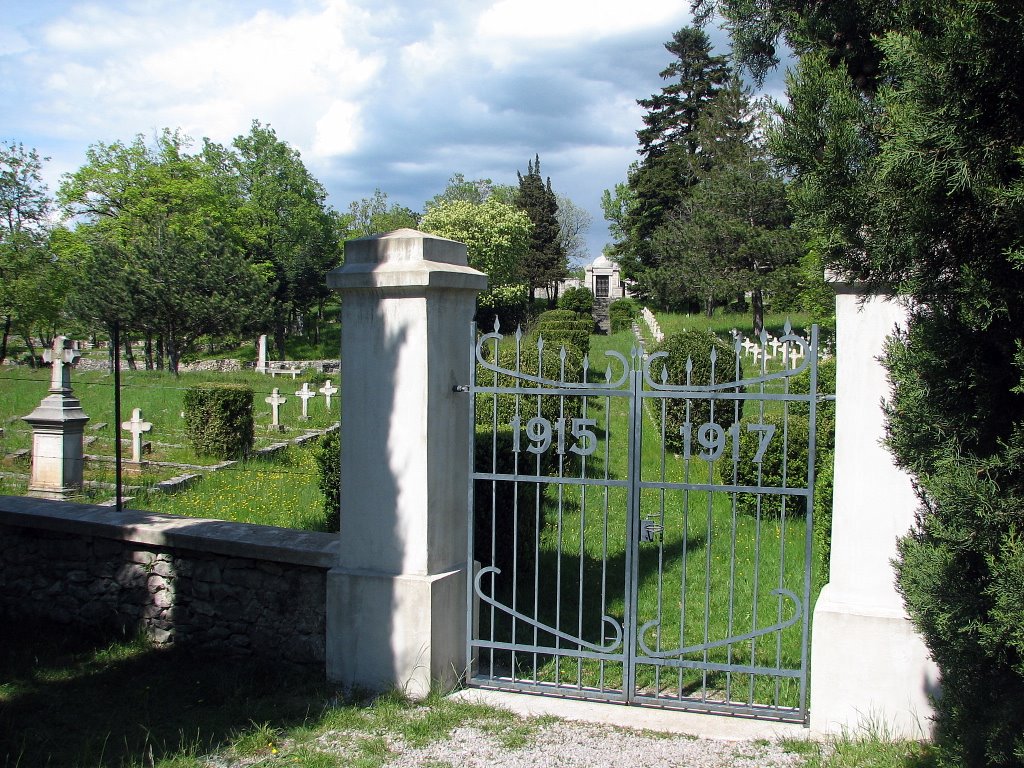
(57, 427)
(396, 613)
(869, 666)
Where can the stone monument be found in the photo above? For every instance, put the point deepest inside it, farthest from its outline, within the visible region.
(57, 426)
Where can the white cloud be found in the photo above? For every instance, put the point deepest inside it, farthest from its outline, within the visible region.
(338, 131)
(572, 20)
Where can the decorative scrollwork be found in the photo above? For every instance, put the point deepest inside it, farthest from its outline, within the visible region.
(614, 645)
(608, 383)
(778, 627)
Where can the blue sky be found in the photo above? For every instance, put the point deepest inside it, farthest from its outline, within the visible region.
(395, 94)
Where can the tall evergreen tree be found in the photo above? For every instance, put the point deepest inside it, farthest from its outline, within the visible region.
(668, 143)
(545, 262)
(904, 135)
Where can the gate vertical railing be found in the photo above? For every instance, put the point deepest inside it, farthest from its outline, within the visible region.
(601, 626)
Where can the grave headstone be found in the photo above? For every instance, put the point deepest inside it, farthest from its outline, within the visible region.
(261, 354)
(275, 401)
(328, 390)
(305, 394)
(136, 425)
(57, 426)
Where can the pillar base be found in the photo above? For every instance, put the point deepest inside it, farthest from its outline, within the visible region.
(396, 631)
(871, 672)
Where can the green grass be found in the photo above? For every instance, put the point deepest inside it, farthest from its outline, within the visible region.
(253, 487)
(79, 699)
(281, 490)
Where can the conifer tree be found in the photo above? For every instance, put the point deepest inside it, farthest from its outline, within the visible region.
(545, 262)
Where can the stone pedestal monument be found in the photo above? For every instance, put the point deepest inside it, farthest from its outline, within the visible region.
(57, 426)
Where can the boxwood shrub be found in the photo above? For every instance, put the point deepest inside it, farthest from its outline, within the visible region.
(622, 313)
(327, 454)
(695, 346)
(219, 420)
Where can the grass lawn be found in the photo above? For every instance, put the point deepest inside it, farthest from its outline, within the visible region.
(254, 489)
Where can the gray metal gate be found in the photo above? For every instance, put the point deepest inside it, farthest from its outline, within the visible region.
(640, 539)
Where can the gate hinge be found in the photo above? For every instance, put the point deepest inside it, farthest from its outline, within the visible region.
(460, 388)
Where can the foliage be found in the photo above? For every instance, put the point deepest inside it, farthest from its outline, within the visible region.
(692, 348)
(496, 235)
(327, 455)
(503, 407)
(509, 304)
(658, 183)
(563, 327)
(373, 216)
(474, 191)
(903, 135)
(219, 419)
(544, 262)
(573, 223)
(32, 282)
(504, 523)
(579, 299)
(622, 313)
(159, 245)
(787, 452)
(286, 222)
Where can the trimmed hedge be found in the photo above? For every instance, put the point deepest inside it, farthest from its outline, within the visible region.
(327, 454)
(219, 420)
(551, 407)
(695, 346)
(622, 313)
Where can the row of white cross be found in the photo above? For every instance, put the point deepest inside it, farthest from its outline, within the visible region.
(137, 425)
(276, 400)
(756, 350)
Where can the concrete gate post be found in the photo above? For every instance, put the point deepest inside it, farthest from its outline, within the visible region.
(396, 602)
(869, 667)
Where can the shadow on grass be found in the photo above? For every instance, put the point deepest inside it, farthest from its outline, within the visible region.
(70, 698)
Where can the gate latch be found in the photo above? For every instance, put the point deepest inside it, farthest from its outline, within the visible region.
(460, 388)
(650, 530)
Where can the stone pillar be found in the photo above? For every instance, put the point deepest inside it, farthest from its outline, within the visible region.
(869, 667)
(396, 614)
(57, 427)
(261, 354)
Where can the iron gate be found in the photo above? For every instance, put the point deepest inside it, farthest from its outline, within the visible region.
(640, 537)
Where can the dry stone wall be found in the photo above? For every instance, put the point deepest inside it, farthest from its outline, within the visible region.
(231, 588)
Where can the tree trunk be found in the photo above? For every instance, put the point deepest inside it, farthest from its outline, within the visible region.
(709, 306)
(149, 351)
(27, 336)
(172, 354)
(279, 336)
(7, 335)
(757, 304)
(160, 352)
(129, 355)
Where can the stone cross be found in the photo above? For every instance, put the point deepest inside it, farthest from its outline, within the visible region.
(62, 355)
(305, 393)
(328, 390)
(136, 426)
(275, 401)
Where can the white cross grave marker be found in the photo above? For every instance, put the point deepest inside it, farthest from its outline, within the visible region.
(136, 426)
(275, 401)
(305, 393)
(63, 354)
(328, 390)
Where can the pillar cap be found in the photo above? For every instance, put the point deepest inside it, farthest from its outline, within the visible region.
(406, 258)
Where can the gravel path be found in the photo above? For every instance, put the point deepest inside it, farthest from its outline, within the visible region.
(576, 745)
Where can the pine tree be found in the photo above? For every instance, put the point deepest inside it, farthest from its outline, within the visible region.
(668, 142)
(545, 262)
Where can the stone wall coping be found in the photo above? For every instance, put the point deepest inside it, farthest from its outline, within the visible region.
(259, 542)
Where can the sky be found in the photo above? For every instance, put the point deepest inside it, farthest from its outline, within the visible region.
(391, 94)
